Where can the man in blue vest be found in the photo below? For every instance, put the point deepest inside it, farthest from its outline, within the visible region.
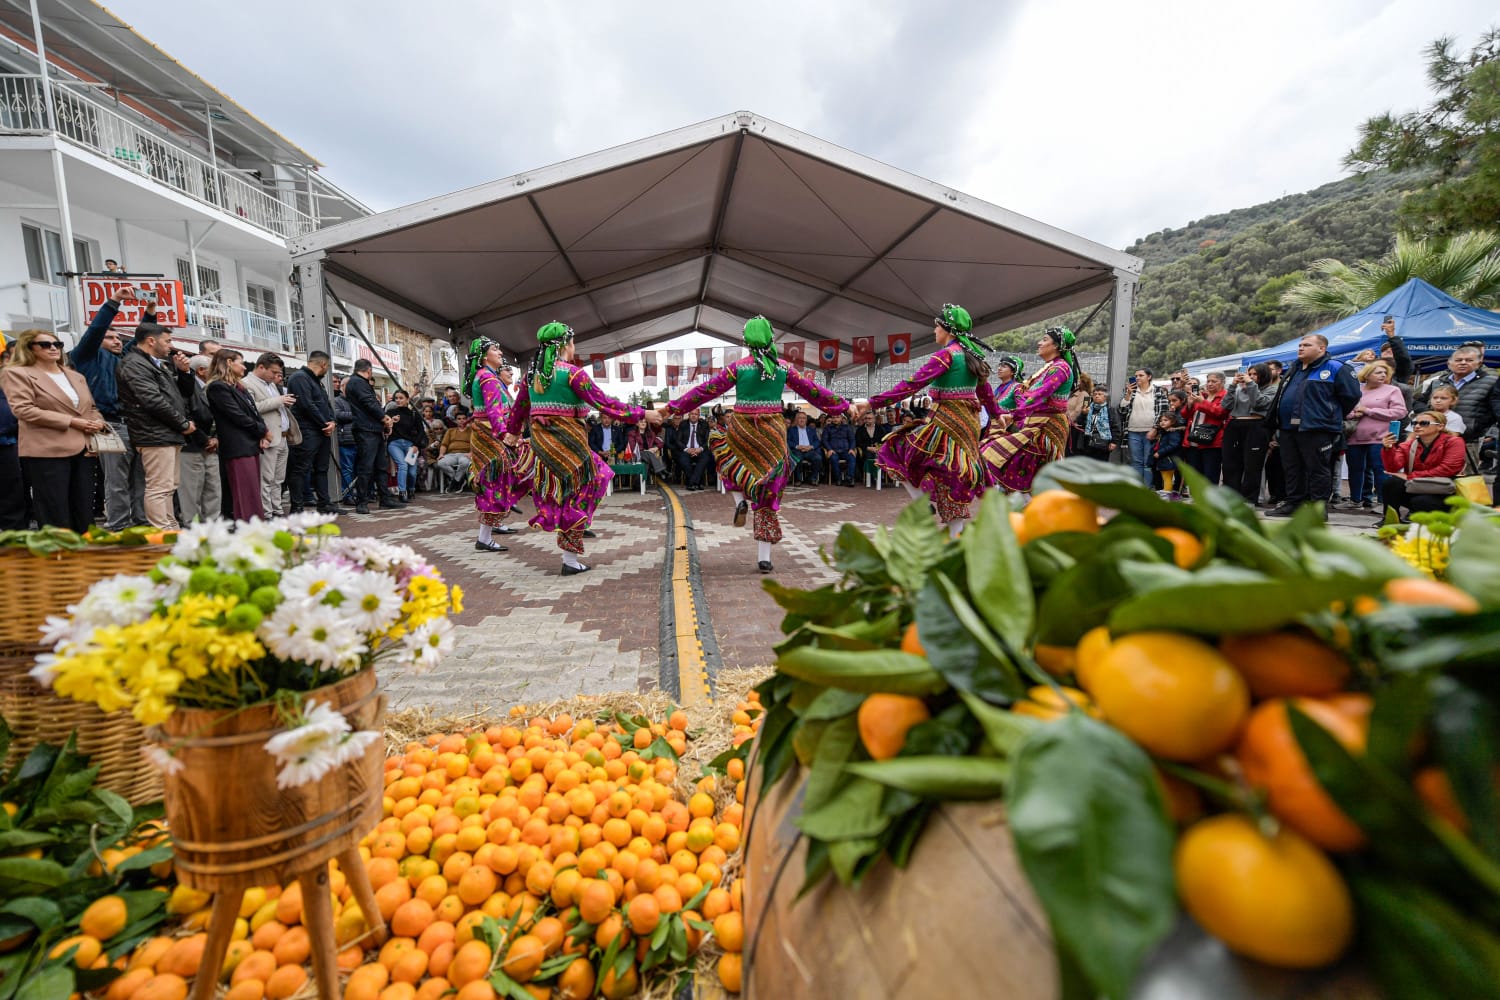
(1308, 416)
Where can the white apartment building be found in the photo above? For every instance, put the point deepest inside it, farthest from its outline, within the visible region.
(169, 177)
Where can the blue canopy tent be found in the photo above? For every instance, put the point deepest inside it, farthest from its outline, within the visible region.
(1430, 322)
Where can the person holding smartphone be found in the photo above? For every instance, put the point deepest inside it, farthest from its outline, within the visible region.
(1140, 407)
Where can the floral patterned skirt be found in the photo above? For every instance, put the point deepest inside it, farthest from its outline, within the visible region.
(942, 453)
(1014, 457)
(752, 458)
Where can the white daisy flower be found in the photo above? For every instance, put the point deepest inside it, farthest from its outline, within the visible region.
(355, 744)
(119, 600)
(200, 539)
(311, 750)
(429, 643)
(311, 582)
(312, 633)
(253, 546)
(56, 630)
(162, 759)
(371, 601)
(44, 669)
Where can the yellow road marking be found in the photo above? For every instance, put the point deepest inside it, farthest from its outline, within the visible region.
(692, 671)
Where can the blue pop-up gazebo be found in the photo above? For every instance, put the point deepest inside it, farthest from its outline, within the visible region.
(1431, 322)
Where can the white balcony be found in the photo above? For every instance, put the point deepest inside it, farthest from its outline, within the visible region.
(127, 142)
(243, 328)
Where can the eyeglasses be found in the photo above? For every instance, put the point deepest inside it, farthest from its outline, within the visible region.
(47, 345)
(1427, 423)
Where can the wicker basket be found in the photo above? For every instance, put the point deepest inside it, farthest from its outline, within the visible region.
(35, 587)
(38, 586)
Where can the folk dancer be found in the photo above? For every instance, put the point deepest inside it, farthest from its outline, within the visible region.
(941, 457)
(1034, 430)
(750, 449)
(569, 479)
(498, 484)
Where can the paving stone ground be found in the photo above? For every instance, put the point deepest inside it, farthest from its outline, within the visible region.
(528, 634)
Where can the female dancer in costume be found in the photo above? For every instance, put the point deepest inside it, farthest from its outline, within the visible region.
(1009, 370)
(751, 451)
(568, 479)
(498, 483)
(941, 457)
(1037, 431)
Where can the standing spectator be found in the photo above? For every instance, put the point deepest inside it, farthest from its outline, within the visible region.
(1166, 446)
(1430, 452)
(693, 457)
(1478, 401)
(96, 357)
(263, 384)
(208, 348)
(1394, 351)
(406, 433)
(198, 488)
(242, 436)
(156, 416)
(435, 429)
(370, 424)
(343, 415)
(838, 448)
(1245, 435)
(1379, 404)
(1207, 410)
(1443, 399)
(1275, 471)
(1099, 426)
(13, 515)
(1309, 417)
(54, 413)
(307, 465)
(1140, 410)
(806, 449)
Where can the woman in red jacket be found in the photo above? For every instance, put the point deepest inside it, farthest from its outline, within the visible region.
(1430, 452)
(1206, 412)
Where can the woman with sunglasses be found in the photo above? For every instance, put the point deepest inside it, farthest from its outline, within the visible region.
(1037, 424)
(941, 456)
(55, 413)
(1419, 471)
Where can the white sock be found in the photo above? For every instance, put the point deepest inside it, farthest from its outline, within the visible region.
(912, 491)
(571, 561)
(738, 498)
(486, 533)
(956, 525)
(763, 551)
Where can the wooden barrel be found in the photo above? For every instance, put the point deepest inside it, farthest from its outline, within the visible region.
(232, 828)
(961, 920)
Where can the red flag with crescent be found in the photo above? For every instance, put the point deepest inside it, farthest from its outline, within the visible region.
(864, 350)
(793, 352)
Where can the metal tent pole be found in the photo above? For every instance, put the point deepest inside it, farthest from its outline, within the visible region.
(1119, 331)
(70, 261)
(310, 285)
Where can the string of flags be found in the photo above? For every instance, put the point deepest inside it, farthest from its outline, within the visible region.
(673, 368)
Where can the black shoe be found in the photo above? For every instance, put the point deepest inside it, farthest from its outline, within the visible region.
(388, 504)
(327, 508)
(296, 510)
(574, 570)
(764, 565)
(740, 510)
(1285, 510)
(361, 509)
(489, 547)
(589, 534)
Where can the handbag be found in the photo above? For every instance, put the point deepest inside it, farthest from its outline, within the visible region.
(1426, 485)
(1350, 425)
(106, 442)
(1202, 433)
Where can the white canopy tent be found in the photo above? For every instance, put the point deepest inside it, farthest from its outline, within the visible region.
(699, 229)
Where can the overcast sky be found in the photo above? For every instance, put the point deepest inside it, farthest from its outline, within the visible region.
(1112, 120)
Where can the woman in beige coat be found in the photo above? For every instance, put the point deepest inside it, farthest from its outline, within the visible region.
(55, 413)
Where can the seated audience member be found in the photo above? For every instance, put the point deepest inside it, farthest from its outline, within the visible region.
(806, 449)
(452, 462)
(606, 436)
(693, 457)
(645, 442)
(868, 436)
(1419, 471)
(838, 448)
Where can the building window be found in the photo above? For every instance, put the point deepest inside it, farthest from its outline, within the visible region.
(44, 253)
(208, 280)
(260, 299)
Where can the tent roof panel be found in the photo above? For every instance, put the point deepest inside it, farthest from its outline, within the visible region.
(614, 210)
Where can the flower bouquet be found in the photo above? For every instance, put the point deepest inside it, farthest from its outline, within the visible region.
(249, 651)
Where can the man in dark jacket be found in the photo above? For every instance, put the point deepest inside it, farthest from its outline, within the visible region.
(343, 415)
(806, 449)
(198, 465)
(1475, 386)
(838, 446)
(313, 411)
(156, 417)
(1308, 414)
(691, 448)
(370, 423)
(96, 357)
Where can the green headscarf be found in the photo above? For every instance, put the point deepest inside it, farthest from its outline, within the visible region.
(956, 320)
(1015, 364)
(551, 338)
(1064, 339)
(761, 340)
(478, 348)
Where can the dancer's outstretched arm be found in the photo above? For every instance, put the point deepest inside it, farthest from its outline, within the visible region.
(824, 399)
(707, 391)
(583, 385)
(930, 371)
(1030, 399)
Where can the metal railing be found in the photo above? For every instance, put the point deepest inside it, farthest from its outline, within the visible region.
(111, 134)
(241, 326)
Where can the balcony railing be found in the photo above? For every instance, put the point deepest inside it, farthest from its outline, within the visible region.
(111, 134)
(241, 326)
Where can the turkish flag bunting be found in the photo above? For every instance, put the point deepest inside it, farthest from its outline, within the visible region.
(648, 367)
(793, 352)
(828, 354)
(598, 362)
(672, 374)
(625, 370)
(864, 350)
(899, 344)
